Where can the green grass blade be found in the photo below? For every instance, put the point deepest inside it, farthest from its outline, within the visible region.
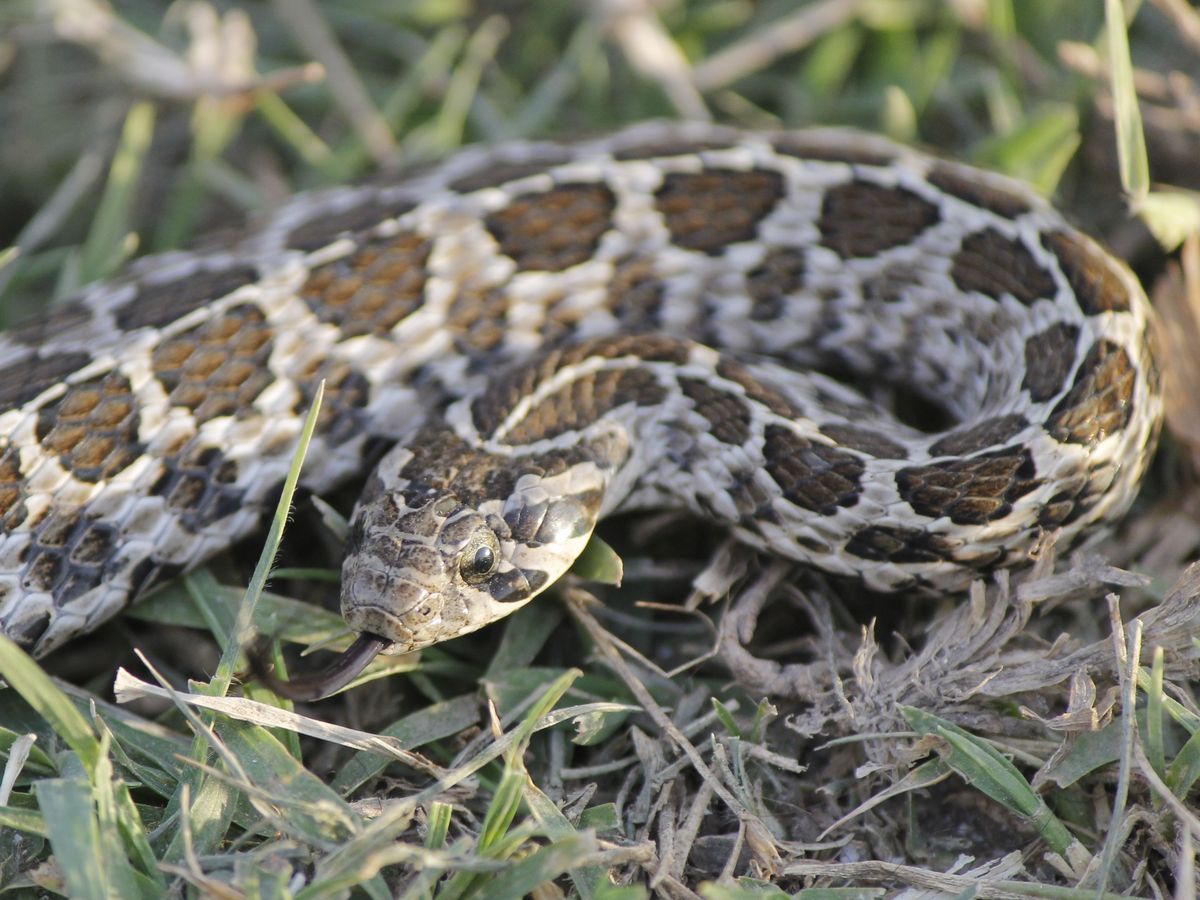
(300, 804)
(441, 720)
(985, 768)
(1155, 715)
(439, 825)
(1131, 141)
(27, 679)
(86, 848)
(103, 252)
(539, 868)
(29, 821)
(262, 570)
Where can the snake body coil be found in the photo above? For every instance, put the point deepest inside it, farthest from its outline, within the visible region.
(655, 319)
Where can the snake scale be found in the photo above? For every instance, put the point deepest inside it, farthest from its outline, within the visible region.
(674, 316)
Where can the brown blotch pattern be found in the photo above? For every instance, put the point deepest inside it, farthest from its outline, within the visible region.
(373, 289)
(805, 147)
(495, 404)
(1095, 282)
(710, 210)
(92, 429)
(12, 491)
(494, 173)
(71, 554)
(771, 282)
(635, 294)
(24, 380)
(441, 459)
(218, 367)
(1100, 401)
(555, 229)
(347, 393)
(969, 491)
(995, 199)
(992, 264)
(64, 317)
(814, 476)
(199, 488)
(323, 229)
(727, 414)
(156, 305)
(900, 545)
(865, 440)
(585, 400)
(860, 218)
(1058, 511)
(732, 370)
(478, 320)
(1049, 359)
(988, 433)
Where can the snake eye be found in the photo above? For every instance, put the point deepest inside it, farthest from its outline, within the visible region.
(479, 560)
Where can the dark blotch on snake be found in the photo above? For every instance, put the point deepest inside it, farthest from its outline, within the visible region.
(28, 377)
(218, 367)
(159, 304)
(13, 492)
(901, 545)
(727, 414)
(1049, 359)
(198, 485)
(63, 319)
(865, 440)
(1097, 286)
(968, 187)
(814, 476)
(709, 210)
(503, 395)
(992, 264)
(478, 320)
(635, 294)
(374, 288)
(92, 428)
(325, 227)
(584, 400)
(732, 370)
(555, 229)
(980, 436)
(860, 218)
(970, 491)
(772, 281)
(1100, 402)
(343, 409)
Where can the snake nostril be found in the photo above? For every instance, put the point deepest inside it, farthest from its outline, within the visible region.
(423, 612)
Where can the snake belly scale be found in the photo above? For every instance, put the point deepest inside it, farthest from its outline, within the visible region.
(549, 333)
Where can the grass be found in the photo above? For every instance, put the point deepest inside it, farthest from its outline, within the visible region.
(585, 749)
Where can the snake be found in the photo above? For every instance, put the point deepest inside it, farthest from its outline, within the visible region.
(525, 338)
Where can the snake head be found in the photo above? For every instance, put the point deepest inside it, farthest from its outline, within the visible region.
(423, 565)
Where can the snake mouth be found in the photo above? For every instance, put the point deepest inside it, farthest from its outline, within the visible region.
(348, 666)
